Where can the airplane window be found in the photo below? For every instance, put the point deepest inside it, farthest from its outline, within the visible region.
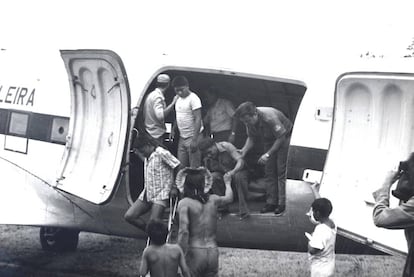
(18, 124)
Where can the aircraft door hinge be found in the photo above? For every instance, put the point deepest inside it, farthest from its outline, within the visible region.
(68, 143)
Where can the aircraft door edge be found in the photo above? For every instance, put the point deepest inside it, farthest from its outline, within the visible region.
(99, 124)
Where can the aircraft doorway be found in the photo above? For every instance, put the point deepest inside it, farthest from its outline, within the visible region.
(283, 94)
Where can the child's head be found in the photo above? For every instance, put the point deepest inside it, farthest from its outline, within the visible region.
(145, 145)
(157, 231)
(320, 210)
(194, 185)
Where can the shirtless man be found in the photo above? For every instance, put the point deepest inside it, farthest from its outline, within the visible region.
(198, 222)
(161, 259)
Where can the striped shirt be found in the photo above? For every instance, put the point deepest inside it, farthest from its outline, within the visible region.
(158, 175)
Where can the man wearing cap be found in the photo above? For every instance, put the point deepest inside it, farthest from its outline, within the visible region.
(188, 123)
(198, 220)
(155, 109)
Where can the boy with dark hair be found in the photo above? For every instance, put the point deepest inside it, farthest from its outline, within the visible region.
(159, 166)
(159, 258)
(188, 122)
(198, 220)
(321, 246)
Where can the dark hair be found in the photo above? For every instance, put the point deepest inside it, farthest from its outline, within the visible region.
(162, 84)
(245, 108)
(323, 206)
(194, 186)
(144, 140)
(180, 81)
(157, 231)
(205, 143)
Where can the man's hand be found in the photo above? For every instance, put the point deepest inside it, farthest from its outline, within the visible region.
(174, 192)
(241, 152)
(227, 178)
(264, 158)
(390, 178)
(232, 138)
(171, 135)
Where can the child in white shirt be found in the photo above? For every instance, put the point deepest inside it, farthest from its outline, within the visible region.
(321, 246)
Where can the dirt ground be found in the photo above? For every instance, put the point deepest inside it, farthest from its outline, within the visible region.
(100, 255)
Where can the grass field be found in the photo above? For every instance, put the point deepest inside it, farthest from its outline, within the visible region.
(108, 256)
(238, 262)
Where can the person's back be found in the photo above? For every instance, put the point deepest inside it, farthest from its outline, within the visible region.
(159, 258)
(198, 221)
(203, 218)
(163, 260)
(323, 262)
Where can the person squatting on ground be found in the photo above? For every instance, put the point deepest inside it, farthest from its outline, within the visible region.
(223, 158)
(321, 245)
(155, 109)
(219, 122)
(198, 220)
(402, 216)
(188, 122)
(274, 129)
(159, 168)
(162, 259)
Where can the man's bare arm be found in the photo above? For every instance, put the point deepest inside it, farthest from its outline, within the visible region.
(197, 127)
(183, 265)
(183, 231)
(143, 269)
(228, 195)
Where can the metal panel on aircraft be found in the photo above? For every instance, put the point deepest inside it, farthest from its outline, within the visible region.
(99, 123)
(372, 131)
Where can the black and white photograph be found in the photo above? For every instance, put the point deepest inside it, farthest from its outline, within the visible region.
(206, 138)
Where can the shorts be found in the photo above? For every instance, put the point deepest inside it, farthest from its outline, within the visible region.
(143, 198)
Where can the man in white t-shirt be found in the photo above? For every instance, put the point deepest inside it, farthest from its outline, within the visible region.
(188, 122)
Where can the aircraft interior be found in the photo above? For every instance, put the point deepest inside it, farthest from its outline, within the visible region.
(283, 94)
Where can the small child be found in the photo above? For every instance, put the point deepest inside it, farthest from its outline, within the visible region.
(159, 258)
(321, 246)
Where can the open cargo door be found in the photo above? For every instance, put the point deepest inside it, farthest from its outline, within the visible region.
(98, 124)
(372, 131)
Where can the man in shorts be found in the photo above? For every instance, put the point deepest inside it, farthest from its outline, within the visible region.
(198, 220)
(159, 168)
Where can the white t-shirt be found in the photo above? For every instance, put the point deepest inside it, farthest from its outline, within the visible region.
(184, 108)
(323, 263)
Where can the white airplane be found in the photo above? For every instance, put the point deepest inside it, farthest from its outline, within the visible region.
(67, 122)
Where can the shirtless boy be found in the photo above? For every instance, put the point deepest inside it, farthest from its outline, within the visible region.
(161, 259)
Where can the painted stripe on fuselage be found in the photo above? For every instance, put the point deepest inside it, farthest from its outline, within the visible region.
(40, 126)
(301, 158)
